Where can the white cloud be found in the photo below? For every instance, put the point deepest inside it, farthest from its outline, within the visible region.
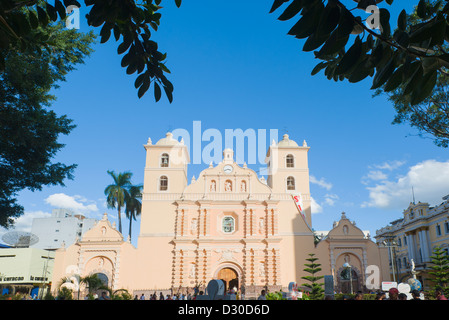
(376, 175)
(76, 203)
(322, 183)
(330, 199)
(390, 165)
(315, 206)
(429, 179)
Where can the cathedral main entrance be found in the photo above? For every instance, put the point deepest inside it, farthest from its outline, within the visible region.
(230, 278)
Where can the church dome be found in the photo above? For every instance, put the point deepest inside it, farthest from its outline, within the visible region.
(286, 142)
(168, 140)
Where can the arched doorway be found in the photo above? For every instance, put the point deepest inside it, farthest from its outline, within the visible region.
(104, 278)
(230, 277)
(346, 278)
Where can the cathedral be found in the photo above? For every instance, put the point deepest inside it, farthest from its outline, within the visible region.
(228, 223)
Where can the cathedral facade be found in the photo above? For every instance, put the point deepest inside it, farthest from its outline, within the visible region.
(228, 223)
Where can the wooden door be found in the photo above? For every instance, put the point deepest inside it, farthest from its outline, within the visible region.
(229, 277)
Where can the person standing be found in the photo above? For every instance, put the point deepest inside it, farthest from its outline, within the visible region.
(262, 296)
(393, 294)
(104, 296)
(439, 295)
(380, 296)
(415, 295)
(402, 296)
(142, 297)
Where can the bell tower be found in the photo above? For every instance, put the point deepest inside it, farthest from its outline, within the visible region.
(165, 179)
(166, 166)
(288, 170)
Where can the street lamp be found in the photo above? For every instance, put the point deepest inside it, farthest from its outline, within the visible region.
(391, 244)
(347, 266)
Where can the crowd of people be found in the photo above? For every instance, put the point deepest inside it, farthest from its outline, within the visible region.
(394, 294)
(161, 296)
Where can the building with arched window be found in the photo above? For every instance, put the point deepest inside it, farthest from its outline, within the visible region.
(347, 245)
(413, 238)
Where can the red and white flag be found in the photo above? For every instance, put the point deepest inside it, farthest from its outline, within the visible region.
(297, 198)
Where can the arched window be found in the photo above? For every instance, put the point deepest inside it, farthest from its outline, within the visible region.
(213, 186)
(164, 160)
(290, 161)
(290, 183)
(228, 186)
(163, 183)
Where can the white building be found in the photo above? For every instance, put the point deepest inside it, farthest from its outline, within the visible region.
(64, 226)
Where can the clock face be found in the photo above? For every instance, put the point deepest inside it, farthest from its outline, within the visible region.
(228, 169)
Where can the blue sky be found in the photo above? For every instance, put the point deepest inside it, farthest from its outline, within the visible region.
(234, 66)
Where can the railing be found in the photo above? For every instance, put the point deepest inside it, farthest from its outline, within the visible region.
(219, 196)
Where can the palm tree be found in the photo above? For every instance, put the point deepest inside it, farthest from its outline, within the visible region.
(117, 192)
(92, 282)
(133, 204)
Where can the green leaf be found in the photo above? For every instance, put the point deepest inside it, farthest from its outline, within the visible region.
(340, 36)
(157, 91)
(51, 11)
(292, 9)
(395, 80)
(361, 71)
(421, 9)
(422, 32)
(143, 88)
(139, 80)
(314, 42)
(105, 33)
(34, 21)
(415, 80)
(178, 3)
(351, 57)
(430, 64)
(169, 92)
(425, 87)
(402, 20)
(123, 47)
(329, 20)
(384, 15)
(277, 4)
(383, 74)
(42, 16)
(402, 38)
(61, 9)
(308, 23)
(438, 33)
(320, 66)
